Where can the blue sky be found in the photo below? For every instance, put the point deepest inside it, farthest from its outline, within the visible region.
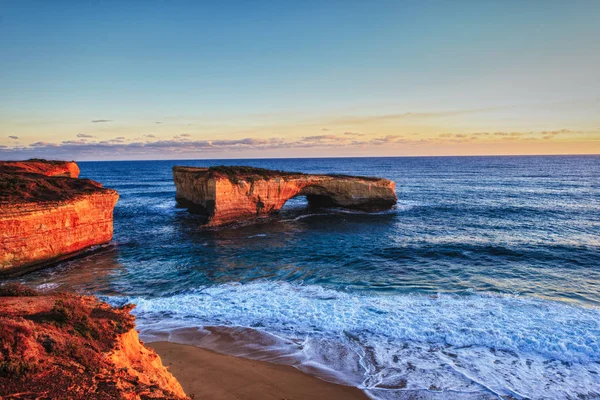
(281, 72)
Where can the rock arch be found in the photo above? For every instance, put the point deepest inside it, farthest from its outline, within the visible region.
(233, 194)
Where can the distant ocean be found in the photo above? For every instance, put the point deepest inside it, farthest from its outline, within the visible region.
(484, 280)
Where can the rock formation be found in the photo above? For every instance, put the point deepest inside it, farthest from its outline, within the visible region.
(69, 169)
(47, 214)
(233, 194)
(68, 346)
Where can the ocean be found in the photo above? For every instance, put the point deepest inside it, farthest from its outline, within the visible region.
(483, 282)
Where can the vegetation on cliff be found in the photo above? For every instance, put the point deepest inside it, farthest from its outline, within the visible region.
(249, 174)
(77, 347)
(19, 188)
(42, 167)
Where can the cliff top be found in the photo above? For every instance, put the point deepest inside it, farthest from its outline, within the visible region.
(18, 188)
(237, 172)
(41, 181)
(56, 344)
(42, 167)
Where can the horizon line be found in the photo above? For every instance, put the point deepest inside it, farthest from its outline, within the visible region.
(341, 157)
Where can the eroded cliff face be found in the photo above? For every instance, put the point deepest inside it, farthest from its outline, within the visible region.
(68, 346)
(44, 219)
(234, 194)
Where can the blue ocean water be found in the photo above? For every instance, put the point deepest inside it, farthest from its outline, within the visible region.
(483, 282)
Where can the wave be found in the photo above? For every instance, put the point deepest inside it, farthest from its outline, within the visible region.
(336, 211)
(394, 346)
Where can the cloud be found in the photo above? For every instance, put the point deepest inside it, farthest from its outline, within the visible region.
(81, 141)
(13, 137)
(242, 142)
(370, 119)
(119, 139)
(43, 144)
(505, 136)
(185, 135)
(353, 134)
(388, 139)
(158, 122)
(119, 147)
(84, 135)
(97, 121)
(320, 138)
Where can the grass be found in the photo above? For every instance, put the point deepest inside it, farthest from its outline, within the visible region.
(16, 290)
(251, 174)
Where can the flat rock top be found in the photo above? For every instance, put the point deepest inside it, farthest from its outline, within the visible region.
(28, 188)
(42, 167)
(26, 183)
(234, 173)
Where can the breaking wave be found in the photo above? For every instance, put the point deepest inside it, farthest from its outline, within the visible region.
(394, 346)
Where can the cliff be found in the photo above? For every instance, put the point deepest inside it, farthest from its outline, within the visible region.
(44, 219)
(233, 194)
(67, 346)
(69, 169)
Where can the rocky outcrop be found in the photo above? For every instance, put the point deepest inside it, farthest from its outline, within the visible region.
(234, 194)
(44, 219)
(68, 346)
(69, 169)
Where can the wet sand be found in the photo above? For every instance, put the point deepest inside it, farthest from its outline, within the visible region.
(212, 376)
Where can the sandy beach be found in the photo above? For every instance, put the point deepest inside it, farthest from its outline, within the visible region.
(208, 375)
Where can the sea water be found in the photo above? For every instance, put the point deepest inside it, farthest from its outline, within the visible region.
(483, 282)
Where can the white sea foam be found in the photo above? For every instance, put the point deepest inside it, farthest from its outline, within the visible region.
(47, 286)
(397, 346)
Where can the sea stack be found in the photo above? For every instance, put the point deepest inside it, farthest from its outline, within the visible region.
(236, 194)
(47, 214)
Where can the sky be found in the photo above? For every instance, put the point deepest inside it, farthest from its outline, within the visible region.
(110, 80)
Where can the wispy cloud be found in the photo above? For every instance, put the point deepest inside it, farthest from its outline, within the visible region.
(389, 118)
(353, 134)
(180, 146)
(13, 137)
(80, 141)
(98, 121)
(84, 135)
(507, 136)
(119, 146)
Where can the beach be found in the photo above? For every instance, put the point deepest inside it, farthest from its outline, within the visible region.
(205, 374)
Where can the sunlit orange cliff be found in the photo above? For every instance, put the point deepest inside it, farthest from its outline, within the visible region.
(59, 346)
(47, 214)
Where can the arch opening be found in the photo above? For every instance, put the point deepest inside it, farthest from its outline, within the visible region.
(295, 203)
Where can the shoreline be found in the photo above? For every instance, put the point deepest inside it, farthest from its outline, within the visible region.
(206, 374)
